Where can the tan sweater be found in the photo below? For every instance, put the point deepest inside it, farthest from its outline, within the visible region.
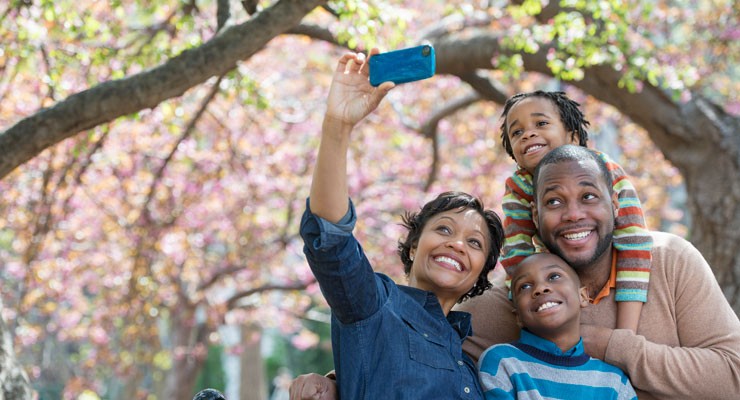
(687, 345)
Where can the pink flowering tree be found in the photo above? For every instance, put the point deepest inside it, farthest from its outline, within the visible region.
(156, 157)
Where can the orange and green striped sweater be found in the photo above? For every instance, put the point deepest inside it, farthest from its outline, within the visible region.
(631, 238)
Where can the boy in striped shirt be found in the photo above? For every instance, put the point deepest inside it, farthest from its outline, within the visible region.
(535, 123)
(548, 361)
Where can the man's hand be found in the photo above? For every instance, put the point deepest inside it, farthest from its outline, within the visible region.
(595, 340)
(313, 387)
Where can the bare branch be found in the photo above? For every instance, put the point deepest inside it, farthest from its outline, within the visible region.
(233, 300)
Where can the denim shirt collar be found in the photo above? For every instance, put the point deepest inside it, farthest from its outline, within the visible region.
(459, 320)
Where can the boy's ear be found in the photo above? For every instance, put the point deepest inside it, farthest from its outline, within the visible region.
(583, 296)
(533, 205)
(518, 320)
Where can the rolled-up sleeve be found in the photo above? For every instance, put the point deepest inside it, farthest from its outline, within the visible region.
(339, 264)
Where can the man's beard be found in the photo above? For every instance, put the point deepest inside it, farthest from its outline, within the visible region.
(602, 246)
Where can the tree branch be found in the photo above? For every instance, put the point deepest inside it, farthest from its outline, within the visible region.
(113, 99)
(233, 300)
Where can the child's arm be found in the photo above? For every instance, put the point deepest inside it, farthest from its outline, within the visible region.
(631, 238)
(518, 225)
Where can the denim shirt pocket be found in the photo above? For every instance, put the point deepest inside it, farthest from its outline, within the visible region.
(426, 347)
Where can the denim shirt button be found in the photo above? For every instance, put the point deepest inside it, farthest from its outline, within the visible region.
(460, 363)
(426, 335)
(466, 390)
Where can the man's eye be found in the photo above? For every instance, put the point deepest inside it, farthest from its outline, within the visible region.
(553, 202)
(589, 196)
(542, 123)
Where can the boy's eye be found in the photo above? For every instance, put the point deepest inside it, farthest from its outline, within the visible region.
(554, 276)
(524, 286)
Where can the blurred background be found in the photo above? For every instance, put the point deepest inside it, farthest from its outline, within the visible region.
(156, 158)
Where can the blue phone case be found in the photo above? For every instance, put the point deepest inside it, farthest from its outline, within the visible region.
(401, 66)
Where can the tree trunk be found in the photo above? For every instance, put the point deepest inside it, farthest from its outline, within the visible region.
(14, 383)
(189, 350)
(252, 383)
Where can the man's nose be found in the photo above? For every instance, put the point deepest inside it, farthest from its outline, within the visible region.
(573, 212)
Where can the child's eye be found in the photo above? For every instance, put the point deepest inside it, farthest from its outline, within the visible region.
(516, 132)
(524, 286)
(554, 276)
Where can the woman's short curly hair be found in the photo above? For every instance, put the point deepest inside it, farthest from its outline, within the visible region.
(415, 222)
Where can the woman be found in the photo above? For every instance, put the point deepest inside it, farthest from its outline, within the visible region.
(393, 341)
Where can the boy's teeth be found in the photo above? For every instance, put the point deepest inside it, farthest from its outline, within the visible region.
(547, 305)
(450, 261)
(576, 236)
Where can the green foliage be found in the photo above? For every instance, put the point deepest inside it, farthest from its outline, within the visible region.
(212, 374)
(317, 359)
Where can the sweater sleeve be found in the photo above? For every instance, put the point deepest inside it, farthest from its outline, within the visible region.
(519, 229)
(706, 362)
(631, 238)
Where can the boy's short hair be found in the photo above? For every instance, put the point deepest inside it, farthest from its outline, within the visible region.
(570, 115)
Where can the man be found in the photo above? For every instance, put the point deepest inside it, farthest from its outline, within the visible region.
(688, 342)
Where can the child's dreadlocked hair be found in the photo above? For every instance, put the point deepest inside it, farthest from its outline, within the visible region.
(570, 114)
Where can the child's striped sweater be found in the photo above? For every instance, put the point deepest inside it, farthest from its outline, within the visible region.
(631, 238)
(535, 368)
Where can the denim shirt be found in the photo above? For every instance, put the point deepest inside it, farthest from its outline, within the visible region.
(389, 341)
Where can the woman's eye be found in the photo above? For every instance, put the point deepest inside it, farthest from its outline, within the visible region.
(476, 243)
(443, 229)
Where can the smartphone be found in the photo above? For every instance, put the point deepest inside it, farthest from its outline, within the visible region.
(404, 65)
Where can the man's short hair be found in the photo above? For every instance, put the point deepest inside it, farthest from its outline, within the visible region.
(571, 152)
